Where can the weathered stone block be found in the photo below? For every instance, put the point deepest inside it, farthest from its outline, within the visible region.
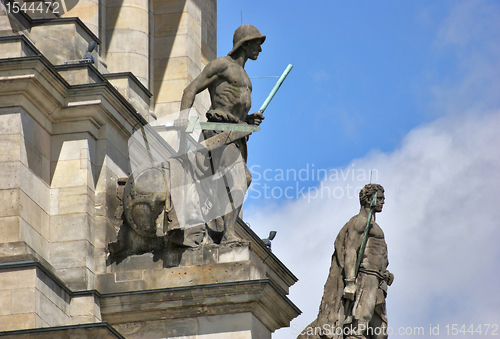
(18, 321)
(35, 187)
(10, 122)
(78, 199)
(10, 229)
(71, 254)
(10, 145)
(106, 283)
(34, 239)
(127, 3)
(178, 46)
(33, 157)
(5, 302)
(77, 279)
(134, 91)
(210, 255)
(15, 48)
(233, 253)
(126, 61)
(70, 227)
(170, 90)
(10, 202)
(23, 301)
(194, 9)
(207, 53)
(121, 18)
(172, 24)
(165, 108)
(136, 262)
(224, 272)
(10, 174)
(63, 148)
(17, 279)
(79, 74)
(113, 159)
(129, 275)
(69, 33)
(126, 41)
(175, 276)
(34, 215)
(41, 140)
(161, 6)
(49, 312)
(88, 12)
(53, 291)
(68, 173)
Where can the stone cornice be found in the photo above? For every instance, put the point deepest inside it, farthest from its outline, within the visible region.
(36, 80)
(95, 330)
(79, 23)
(131, 76)
(260, 297)
(258, 247)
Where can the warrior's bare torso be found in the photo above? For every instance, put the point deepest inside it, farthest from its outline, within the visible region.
(230, 93)
(375, 255)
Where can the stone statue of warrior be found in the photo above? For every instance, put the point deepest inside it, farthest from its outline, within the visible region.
(230, 88)
(353, 306)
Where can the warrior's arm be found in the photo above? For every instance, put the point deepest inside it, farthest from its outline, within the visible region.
(353, 242)
(208, 76)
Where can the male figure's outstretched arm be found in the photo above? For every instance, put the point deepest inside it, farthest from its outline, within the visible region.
(207, 77)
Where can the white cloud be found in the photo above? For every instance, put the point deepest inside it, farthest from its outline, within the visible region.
(441, 217)
(440, 221)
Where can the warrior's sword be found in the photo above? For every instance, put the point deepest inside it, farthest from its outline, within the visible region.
(275, 88)
(229, 131)
(365, 234)
(349, 304)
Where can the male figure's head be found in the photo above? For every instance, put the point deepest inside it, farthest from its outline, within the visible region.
(247, 40)
(366, 195)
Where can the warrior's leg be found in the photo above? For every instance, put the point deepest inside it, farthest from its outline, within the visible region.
(364, 306)
(379, 322)
(235, 181)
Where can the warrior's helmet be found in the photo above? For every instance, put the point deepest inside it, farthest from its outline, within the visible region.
(245, 33)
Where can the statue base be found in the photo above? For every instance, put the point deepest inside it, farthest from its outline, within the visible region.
(232, 290)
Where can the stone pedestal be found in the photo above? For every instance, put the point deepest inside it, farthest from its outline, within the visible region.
(234, 290)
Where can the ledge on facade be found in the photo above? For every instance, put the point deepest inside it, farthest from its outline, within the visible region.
(260, 297)
(16, 46)
(94, 330)
(32, 261)
(55, 21)
(131, 77)
(132, 89)
(79, 74)
(57, 98)
(277, 270)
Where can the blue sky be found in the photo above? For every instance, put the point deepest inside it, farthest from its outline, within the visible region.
(409, 89)
(358, 66)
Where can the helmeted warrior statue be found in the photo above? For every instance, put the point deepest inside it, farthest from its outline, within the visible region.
(230, 88)
(149, 194)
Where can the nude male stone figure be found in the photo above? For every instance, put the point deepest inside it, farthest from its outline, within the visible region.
(353, 302)
(230, 88)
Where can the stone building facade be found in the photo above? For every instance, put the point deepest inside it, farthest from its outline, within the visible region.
(67, 110)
